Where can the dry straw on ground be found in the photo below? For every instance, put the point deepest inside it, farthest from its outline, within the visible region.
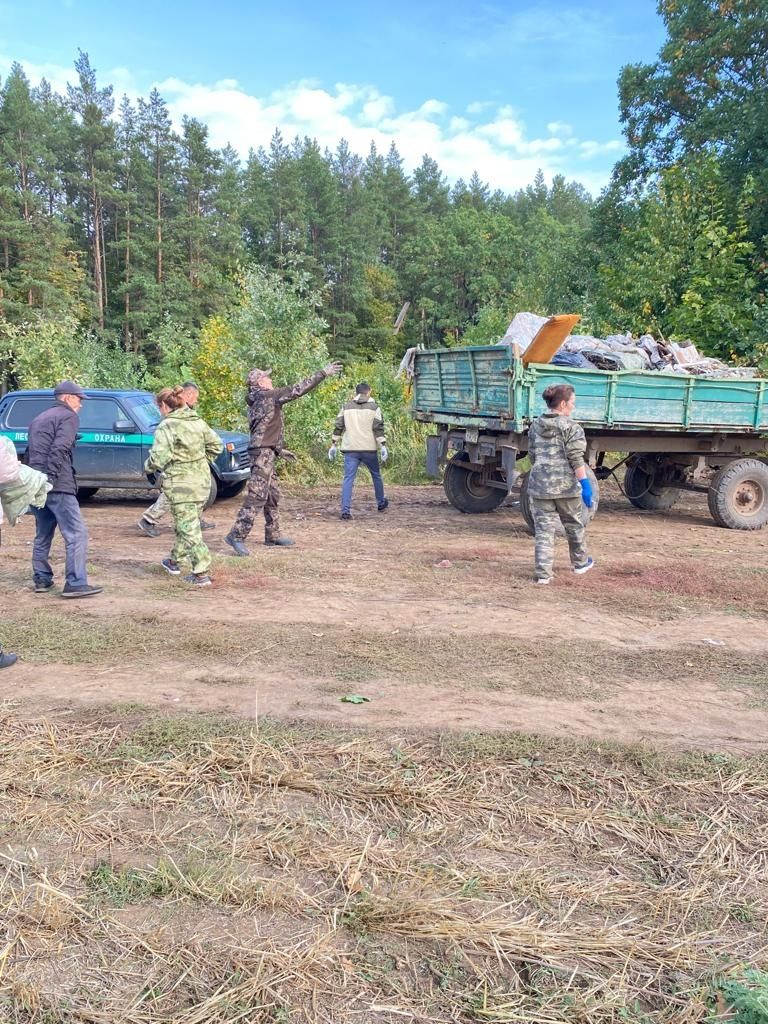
(194, 871)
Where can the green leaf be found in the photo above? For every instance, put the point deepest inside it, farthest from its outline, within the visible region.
(354, 698)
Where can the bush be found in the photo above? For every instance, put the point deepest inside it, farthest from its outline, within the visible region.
(40, 352)
(276, 326)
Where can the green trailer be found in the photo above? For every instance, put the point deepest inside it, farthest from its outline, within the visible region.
(679, 432)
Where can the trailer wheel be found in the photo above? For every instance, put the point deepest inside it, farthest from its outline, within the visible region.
(738, 495)
(641, 489)
(466, 491)
(588, 514)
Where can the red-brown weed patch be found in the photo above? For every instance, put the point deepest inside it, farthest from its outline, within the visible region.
(677, 578)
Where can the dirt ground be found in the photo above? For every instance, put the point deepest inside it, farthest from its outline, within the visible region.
(195, 828)
(428, 613)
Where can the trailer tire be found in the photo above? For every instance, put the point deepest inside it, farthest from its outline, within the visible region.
(466, 492)
(641, 492)
(738, 495)
(588, 514)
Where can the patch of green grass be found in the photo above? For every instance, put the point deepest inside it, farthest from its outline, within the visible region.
(130, 707)
(162, 735)
(746, 999)
(126, 886)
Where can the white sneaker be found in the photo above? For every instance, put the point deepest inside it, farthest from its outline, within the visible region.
(579, 569)
(542, 582)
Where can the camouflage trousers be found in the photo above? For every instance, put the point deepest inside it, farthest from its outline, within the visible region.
(263, 495)
(189, 546)
(546, 513)
(156, 511)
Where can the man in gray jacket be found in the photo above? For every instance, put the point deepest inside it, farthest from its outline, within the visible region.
(558, 486)
(52, 437)
(359, 428)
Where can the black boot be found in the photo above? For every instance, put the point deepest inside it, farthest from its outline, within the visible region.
(237, 546)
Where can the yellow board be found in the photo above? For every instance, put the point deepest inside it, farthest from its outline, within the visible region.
(549, 338)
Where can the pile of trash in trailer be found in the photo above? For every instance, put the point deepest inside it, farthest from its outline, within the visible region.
(623, 352)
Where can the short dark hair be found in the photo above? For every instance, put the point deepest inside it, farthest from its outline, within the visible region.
(362, 388)
(557, 393)
(190, 384)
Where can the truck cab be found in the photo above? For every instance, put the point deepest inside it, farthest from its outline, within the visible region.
(117, 429)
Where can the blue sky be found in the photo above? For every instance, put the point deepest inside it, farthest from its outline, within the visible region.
(500, 88)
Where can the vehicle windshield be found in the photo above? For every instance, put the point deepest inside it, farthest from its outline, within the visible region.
(145, 411)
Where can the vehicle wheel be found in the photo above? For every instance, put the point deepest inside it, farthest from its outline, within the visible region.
(213, 492)
(466, 491)
(230, 490)
(642, 492)
(588, 514)
(738, 495)
(86, 493)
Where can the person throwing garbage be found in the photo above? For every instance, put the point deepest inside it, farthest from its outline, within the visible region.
(558, 486)
(265, 419)
(180, 457)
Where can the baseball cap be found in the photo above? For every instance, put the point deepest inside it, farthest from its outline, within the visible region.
(68, 387)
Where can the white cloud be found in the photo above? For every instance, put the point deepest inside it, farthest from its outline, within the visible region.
(591, 149)
(560, 128)
(489, 138)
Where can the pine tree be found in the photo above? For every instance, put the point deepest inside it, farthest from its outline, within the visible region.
(431, 189)
(95, 136)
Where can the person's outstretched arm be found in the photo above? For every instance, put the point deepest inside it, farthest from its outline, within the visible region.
(290, 394)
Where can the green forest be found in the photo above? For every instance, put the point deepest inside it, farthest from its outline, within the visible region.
(135, 253)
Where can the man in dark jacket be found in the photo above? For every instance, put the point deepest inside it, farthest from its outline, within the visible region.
(52, 437)
(265, 418)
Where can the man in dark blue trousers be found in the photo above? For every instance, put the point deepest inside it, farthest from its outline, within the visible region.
(52, 437)
(359, 428)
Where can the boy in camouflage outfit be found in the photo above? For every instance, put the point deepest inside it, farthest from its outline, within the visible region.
(558, 486)
(265, 418)
(183, 448)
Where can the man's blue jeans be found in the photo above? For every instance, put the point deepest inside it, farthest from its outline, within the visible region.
(352, 462)
(61, 510)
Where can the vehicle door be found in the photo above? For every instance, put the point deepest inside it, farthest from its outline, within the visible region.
(142, 408)
(108, 451)
(19, 413)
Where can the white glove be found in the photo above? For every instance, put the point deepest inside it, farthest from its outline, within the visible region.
(332, 452)
(384, 453)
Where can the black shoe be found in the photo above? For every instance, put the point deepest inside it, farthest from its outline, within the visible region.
(205, 525)
(42, 587)
(198, 579)
(6, 660)
(345, 515)
(148, 528)
(171, 567)
(86, 591)
(279, 542)
(383, 505)
(237, 546)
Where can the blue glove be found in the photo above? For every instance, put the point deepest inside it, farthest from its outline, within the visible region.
(586, 492)
(384, 453)
(332, 452)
